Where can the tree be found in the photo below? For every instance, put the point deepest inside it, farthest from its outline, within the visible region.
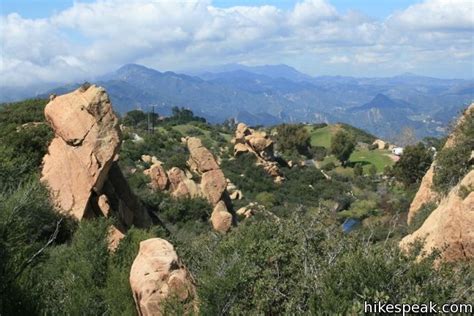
(293, 139)
(342, 146)
(358, 170)
(134, 117)
(413, 164)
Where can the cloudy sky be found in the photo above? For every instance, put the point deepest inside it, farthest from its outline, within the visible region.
(61, 40)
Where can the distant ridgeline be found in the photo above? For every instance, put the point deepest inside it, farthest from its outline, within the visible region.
(277, 94)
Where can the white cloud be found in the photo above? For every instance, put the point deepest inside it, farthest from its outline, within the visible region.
(437, 15)
(92, 38)
(339, 60)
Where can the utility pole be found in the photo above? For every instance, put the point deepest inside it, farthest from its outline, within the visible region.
(152, 119)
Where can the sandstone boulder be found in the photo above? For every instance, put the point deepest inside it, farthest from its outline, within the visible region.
(221, 219)
(213, 185)
(80, 168)
(260, 145)
(158, 176)
(200, 158)
(176, 176)
(87, 139)
(158, 275)
(379, 143)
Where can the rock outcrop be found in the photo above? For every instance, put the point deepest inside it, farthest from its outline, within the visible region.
(213, 184)
(379, 143)
(80, 168)
(247, 140)
(426, 193)
(450, 227)
(158, 276)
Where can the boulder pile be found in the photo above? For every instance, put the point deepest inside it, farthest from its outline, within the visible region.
(213, 184)
(247, 140)
(80, 168)
(158, 276)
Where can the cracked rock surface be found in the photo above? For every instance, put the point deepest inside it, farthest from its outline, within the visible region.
(80, 168)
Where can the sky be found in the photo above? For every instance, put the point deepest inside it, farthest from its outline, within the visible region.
(45, 41)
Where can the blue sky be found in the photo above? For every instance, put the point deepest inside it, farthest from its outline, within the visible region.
(61, 41)
(45, 8)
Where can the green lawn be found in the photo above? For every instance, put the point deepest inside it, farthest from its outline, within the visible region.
(322, 136)
(379, 158)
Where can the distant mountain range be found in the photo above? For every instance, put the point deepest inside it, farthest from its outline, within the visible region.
(278, 93)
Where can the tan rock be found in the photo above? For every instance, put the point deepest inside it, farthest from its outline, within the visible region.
(157, 275)
(424, 195)
(158, 176)
(114, 238)
(241, 131)
(82, 152)
(236, 195)
(240, 149)
(221, 219)
(213, 184)
(259, 144)
(80, 168)
(176, 176)
(187, 188)
(380, 143)
(104, 205)
(146, 158)
(450, 227)
(200, 159)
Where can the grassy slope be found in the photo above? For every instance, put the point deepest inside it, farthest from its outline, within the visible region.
(322, 137)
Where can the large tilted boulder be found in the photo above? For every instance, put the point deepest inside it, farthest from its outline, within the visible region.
(247, 140)
(200, 158)
(450, 227)
(80, 168)
(158, 276)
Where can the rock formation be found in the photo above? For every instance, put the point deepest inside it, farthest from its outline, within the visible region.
(425, 193)
(80, 167)
(247, 140)
(158, 275)
(379, 143)
(213, 184)
(449, 228)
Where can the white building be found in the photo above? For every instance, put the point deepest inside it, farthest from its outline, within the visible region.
(397, 151)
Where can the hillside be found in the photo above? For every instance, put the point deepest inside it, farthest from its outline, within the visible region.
(104, 214)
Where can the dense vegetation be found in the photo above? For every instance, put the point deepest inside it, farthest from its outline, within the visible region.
(453, 162)
(292, 258)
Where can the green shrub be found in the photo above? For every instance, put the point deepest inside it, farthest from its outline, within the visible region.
(451, 165)
(293, 139)
(342, 146)
(360, 209)
(413, 164)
